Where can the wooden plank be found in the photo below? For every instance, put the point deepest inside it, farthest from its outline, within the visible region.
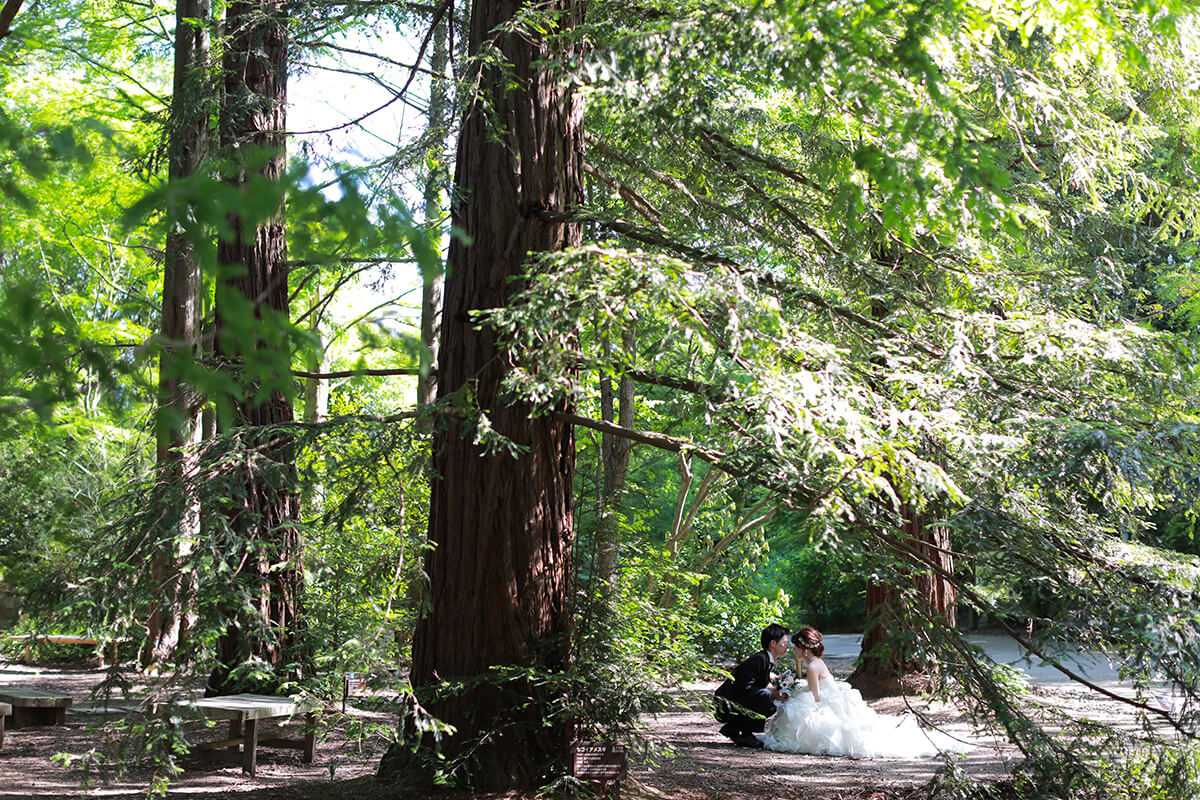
(232, 743)
(279, 741)
(244, 711)
(31, 639)
(55, 638)
(263, 741)
(250, 706)
(33, 698)
(21, 697)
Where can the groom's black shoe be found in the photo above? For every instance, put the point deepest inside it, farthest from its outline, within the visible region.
(729, 732)
(748, 740)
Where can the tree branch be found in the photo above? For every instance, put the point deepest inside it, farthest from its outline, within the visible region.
(437, 17)
(355, 373)
(11, 7)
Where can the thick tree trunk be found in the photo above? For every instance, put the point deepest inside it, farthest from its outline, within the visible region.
(178, 421)
(884, 667)
(501, 525)
(254, 283)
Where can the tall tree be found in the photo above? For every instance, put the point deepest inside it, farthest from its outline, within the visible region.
(253, 344)
(501, 520)
(788, 146)
(178, 419)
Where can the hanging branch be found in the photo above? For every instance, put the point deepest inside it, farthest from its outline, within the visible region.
(906, 550)
(773, 202)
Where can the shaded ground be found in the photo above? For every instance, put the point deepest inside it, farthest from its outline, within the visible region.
(704, 765)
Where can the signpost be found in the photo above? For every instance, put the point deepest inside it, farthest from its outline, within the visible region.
(602, 763)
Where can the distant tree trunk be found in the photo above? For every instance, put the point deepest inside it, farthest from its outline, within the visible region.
(433, 285)
(501, 525)
(431, 293)
(178, 421)
(884, 667)
(316, 390)
(254, 283)
(614, 458)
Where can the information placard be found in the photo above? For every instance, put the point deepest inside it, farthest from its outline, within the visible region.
(599, 761)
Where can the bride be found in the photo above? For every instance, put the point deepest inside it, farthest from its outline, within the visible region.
(832, 718)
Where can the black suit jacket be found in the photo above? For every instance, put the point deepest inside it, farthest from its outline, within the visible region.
(748, 684)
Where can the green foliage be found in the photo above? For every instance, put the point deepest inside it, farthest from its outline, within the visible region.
(881, 262)
(364, 545)
(54, 483)
(827, 586)
(731, 617)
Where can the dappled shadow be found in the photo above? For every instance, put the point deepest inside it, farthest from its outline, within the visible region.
(706, 765)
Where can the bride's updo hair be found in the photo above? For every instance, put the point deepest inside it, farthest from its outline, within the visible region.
(810, 638)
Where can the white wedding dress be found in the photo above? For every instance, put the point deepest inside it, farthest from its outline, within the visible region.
(842, 724)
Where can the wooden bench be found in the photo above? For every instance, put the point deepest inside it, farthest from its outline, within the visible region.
(35, 706)
(31, 639)
(244, 712)
(5, 710)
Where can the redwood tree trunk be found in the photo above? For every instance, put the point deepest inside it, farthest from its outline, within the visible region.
(501, 525)
(178, 420)
(251, 314)
(884, 667)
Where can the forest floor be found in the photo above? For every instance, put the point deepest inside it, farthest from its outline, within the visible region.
(703, 765)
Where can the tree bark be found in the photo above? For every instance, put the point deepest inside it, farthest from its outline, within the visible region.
(254, 283)
(500, 569)
(178, 421)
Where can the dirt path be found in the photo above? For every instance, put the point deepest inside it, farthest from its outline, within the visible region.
(704, 766)
(27, 768)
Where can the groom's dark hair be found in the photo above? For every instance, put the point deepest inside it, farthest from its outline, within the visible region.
(772, 633)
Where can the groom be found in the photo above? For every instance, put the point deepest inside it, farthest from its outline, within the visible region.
(745, 700)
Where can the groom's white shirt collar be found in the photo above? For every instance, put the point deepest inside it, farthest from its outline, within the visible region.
(770, 656)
